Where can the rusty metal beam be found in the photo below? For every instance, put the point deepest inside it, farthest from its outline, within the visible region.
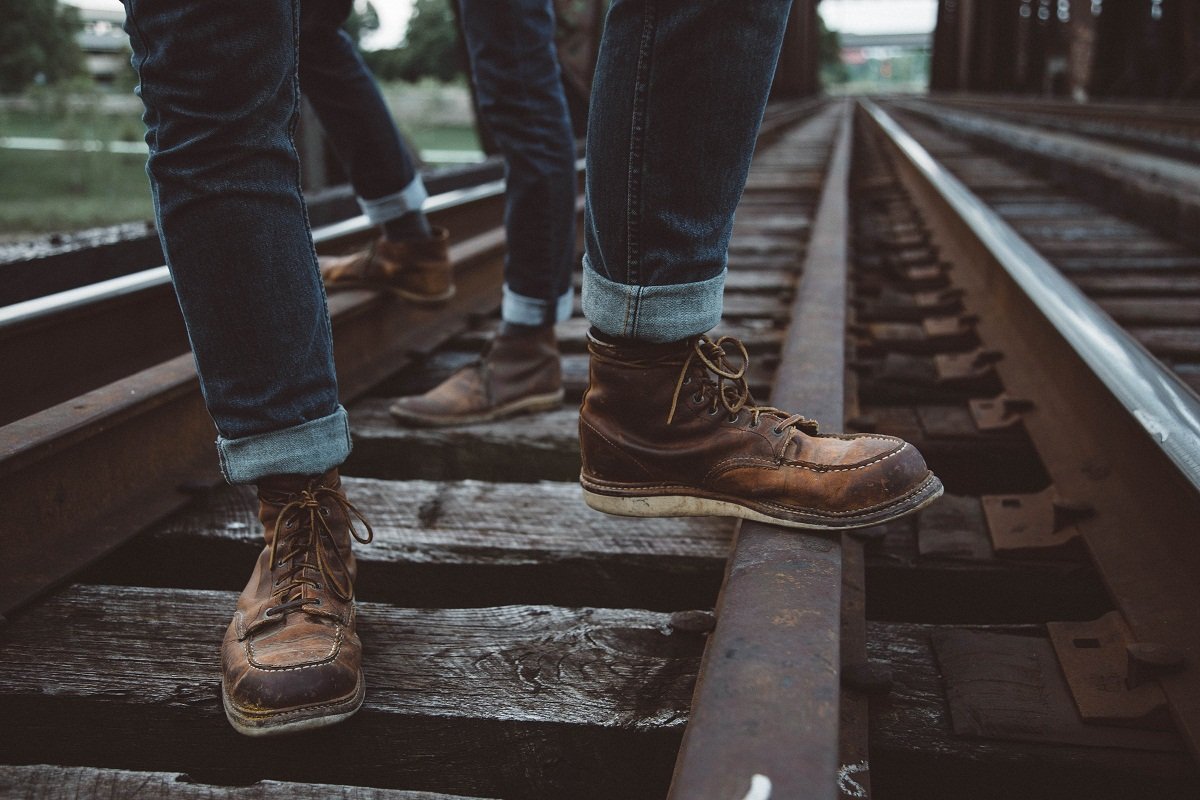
(1113, 426)
(765, 712)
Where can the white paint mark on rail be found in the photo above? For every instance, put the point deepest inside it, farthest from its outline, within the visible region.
(849, 786)
(1152, 424)
(760, 788)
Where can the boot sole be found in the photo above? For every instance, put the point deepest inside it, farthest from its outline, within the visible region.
(624, 502)
(295, 720)
(526, 405)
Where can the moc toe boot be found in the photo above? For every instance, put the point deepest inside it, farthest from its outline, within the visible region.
(519, 374)
(291, 659)
(418, 270)
(671, 430)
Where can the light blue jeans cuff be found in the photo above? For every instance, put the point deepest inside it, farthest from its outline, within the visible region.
(652, 313)
(393, 206)
(522, 310)
(310, 448)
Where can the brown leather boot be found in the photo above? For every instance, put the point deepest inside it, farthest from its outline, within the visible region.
(671, 430)
(519, 374)
(291, 659)
(416, 269)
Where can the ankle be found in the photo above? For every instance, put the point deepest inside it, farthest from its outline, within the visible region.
(413, 225)
(517, 329)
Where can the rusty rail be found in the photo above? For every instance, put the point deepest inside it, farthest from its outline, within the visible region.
(765, 715)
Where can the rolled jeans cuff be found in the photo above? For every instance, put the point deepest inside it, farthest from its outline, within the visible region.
(310, 448)
(395, 205)
(652, 313)
(522, 310)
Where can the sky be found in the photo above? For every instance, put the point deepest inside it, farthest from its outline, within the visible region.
(850, 16)
(879, 16)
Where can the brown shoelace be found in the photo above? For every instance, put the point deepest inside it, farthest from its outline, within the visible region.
(731, 390)
(309, 543)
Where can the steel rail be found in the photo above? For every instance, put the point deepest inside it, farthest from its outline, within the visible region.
(765, 714)
(120, 287)
(1166, 172)
(1112, 425)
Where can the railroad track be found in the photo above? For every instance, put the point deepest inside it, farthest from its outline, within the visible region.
(1171, 130)
(521, 646)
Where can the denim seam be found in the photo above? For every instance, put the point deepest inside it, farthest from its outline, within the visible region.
(293, 124)
(637, 127)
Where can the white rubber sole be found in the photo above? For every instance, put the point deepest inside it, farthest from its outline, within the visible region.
(680, 505)
(526, 405)
(295, 721)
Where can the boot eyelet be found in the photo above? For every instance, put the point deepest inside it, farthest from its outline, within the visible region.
(324, 511)
(776, 430)
(697, 398)
(734, 419)
(753, 424)
(290, 524)
(316, 587)
(687, 381)
(318, 602)
(712, 412)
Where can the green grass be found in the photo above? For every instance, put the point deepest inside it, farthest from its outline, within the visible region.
(43, 192)
(60, 123)
(446, 138)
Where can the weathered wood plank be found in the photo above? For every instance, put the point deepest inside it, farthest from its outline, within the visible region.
(454, 545)
(515, 702)
(44, 782)
(527, 448)
(915, 574)
(915, 753)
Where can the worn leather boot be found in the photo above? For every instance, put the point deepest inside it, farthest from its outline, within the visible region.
(291, 658)
(519, 374)
(671, 430)
(415, 269)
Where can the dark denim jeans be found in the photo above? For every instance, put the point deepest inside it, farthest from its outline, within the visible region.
(677, 99)
(521, 100)
(346, 99)
(218, 80)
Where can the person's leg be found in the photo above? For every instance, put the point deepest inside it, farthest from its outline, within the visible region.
(667, 425)
(410, 257)
(521, 100)
(343, 93)
(677, 98)
(519, 89)
(218, 80)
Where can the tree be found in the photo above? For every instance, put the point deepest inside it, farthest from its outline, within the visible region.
(37, 41)
(829, 50)
(430, 47)
(362, 22)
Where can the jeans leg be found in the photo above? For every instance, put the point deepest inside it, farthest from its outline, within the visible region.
(677, 99)
(342, 91)
(519, 87)
(218, 80)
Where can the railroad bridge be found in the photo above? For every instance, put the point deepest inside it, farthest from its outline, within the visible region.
(995, 271)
